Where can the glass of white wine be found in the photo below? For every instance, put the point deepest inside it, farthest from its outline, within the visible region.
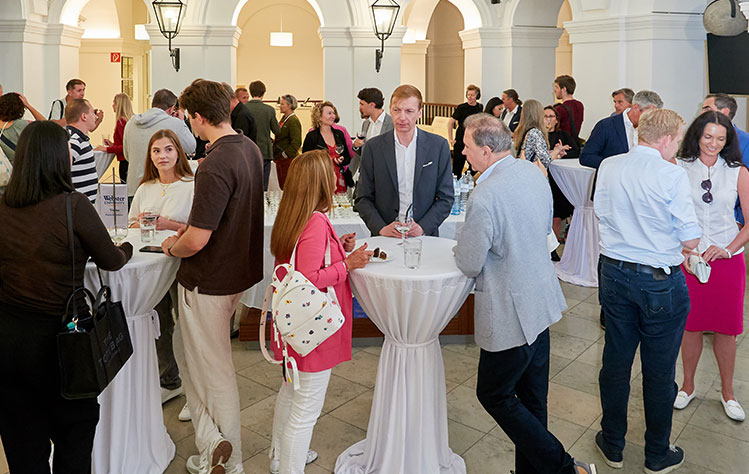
(118, 234)
(404, 225)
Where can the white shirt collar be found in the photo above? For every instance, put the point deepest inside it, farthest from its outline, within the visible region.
(380, 119)
(413, 140)
(489, 170)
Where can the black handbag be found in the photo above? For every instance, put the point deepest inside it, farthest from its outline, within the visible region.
(94, 345)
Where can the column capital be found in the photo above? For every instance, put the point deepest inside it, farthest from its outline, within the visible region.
(34, 32)
(515, 36)
(417, 47)
(651, 27)
(198, 35)
(358, 36)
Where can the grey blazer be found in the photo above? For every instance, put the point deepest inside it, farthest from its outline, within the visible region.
(503, 245)
(377, 200)
(387, 126)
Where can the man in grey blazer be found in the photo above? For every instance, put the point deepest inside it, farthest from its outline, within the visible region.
(409, 167)
(503, 246)
(376, 122)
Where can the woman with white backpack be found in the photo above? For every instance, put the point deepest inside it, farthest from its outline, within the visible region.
(302, 230)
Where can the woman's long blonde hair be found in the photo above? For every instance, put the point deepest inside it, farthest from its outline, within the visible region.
(123, 107)
(532, 116)
(309, 187)
(181, 169)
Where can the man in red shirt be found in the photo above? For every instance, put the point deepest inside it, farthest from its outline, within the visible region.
(570, 110)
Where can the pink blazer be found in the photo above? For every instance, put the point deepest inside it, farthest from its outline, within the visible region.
(310, 261)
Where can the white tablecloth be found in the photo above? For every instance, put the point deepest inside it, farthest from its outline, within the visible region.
(103, 161)
(407, 430)
(131, 436)
(253, 297)
(580, 258)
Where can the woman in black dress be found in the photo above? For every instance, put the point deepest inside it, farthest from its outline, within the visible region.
(562, 207)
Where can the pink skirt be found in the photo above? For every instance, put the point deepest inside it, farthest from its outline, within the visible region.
(718, 305)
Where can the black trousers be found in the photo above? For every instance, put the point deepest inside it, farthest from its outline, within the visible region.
(513, 386)
(32, 412)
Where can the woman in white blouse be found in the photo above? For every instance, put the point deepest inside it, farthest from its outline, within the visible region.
(717, 176)
(167, 188)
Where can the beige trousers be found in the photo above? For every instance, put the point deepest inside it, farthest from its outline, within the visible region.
(207, 369)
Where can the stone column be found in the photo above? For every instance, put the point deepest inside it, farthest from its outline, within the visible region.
(640, 52)
(208, 52)
(414, 64)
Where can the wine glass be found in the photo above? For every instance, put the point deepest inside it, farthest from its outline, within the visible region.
(339, 150)
(404, 225)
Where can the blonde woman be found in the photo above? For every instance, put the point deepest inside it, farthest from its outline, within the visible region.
(324, 136)
(168, 188)
(123, 110)
(531, 140)
(307, 195)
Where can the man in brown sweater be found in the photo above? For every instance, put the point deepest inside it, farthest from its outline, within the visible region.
(222, 255)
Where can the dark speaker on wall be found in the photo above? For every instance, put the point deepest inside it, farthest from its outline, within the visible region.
(728, 64)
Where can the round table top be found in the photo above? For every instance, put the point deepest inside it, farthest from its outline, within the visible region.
(139, 258)
(437, 260)
(571, 163)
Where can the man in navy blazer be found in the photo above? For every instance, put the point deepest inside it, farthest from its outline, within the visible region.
(404, 168)
(617, 134)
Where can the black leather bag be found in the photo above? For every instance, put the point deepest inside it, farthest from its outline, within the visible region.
(94, 344)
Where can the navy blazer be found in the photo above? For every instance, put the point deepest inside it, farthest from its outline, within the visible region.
(608, 138)
(377, 199)
(515, 118)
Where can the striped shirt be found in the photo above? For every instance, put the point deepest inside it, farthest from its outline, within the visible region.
(85, 178)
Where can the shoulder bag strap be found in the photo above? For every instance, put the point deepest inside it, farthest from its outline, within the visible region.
(5, 140)
(69, 217)
(574, 129)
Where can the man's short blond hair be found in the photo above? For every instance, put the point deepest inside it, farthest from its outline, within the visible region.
(657, 123)
(406, 91)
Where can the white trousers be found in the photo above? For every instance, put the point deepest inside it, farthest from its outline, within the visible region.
(295, 417)
(207, 369)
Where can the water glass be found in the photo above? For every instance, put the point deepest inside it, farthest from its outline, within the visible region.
(412, 253)
(147, 227)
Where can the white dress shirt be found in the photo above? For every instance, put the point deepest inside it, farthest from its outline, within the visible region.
(375, 126)
(509, 115)
(629, 130)
(487, 172)
(405, 161)
(645, 209)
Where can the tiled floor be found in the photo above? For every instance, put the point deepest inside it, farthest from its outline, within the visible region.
(712, 442)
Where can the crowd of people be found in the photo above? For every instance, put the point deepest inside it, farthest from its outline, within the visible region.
(667, 203)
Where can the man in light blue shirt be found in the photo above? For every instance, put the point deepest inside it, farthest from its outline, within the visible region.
(647, 224)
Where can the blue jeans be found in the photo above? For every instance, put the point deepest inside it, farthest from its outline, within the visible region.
(513, 386)
(651, 312)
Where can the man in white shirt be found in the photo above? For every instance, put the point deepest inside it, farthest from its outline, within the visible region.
(647, 226)
(376, 122)
(75, 89)
(405, 168)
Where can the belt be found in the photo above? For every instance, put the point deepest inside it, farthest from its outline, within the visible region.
(658, 273)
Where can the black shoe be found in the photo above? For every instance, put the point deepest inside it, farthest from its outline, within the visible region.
(613, 460)
(234, 334)
(603, 320)
(554, 256)
(674, 459)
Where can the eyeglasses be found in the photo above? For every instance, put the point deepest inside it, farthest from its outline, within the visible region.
(707, 185)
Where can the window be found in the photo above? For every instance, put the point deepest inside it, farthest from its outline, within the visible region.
(126, 75)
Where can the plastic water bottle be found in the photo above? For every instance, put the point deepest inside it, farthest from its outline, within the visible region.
(455, 211)
(471, 185)
(464, 192)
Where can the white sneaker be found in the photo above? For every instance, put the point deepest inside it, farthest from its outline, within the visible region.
(167, 394)
(193, 464)
(682, 399)
(733, 409)
(274, 463)
(184, 414)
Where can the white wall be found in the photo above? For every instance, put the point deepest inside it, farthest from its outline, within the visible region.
(445, 60)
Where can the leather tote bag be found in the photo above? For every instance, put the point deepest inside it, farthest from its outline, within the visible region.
(93, 345)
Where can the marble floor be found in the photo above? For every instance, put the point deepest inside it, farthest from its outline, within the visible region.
(712, 442)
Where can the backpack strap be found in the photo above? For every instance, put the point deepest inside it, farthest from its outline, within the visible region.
(290, 374)
(6, 140)
(573, 128)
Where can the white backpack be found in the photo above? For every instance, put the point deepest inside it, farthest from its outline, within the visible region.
(303, 315)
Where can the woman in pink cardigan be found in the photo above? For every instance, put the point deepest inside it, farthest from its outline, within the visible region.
(308, 194)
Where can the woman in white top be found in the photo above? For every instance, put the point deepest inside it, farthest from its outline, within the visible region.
(167, 187)
(711, 156)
